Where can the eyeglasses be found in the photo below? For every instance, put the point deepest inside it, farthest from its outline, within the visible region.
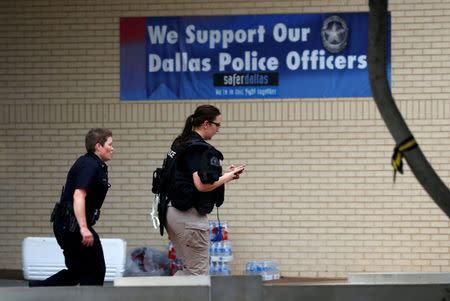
(215, 123)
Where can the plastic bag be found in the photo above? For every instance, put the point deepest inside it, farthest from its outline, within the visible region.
(145, 261)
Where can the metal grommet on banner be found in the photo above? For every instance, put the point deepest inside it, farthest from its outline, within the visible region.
(397, 157)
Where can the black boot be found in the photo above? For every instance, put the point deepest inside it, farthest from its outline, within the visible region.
(36, 283)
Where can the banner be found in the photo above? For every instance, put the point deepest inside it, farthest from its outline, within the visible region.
(248, 56)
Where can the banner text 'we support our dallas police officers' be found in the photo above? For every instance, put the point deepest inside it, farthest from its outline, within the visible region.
(258, 56)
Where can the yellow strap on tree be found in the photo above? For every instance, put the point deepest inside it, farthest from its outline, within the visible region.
(397, 157)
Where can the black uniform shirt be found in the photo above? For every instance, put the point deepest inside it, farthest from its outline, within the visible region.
(203, 160)
(91, 174)
(193, 159)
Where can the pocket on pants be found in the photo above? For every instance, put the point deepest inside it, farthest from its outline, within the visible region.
(197, 235)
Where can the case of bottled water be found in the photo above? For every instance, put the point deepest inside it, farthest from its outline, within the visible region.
(219, 268)
(220, 249)
(268, 270)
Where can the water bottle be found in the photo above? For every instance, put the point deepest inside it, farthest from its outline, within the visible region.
(267, 269)
(226, 248)
(226, 269)
(217, 268)
(171, 254)
(250, 268)
(212, 268)
(216, 249)
(266, 272)
(224, 230)
(220, 248)
(212, 226)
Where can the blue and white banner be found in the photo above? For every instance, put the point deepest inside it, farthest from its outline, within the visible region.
(248, 56)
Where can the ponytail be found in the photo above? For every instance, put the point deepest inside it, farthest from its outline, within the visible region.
(184, 137)
(202, 113)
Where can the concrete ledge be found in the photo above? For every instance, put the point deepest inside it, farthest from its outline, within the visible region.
(234, 288)
(374, 292)
(182, 293)
(399, 278)
(164, 281)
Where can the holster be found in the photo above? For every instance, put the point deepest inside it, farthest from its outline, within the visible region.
(94, 218)
(66, 214)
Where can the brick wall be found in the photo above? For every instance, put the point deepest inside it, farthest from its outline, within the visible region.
(317, 196)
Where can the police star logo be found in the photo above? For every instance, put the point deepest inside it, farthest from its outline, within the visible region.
(214, 161)
(334, 34)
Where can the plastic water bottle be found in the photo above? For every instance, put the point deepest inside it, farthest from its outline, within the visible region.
(227, 248)
(171, 251)
(222, 268)
(216, 249)
(218, 268)
(212, 226)
(226, 269)
(268, 270)
(224, 229)
(221, 248)
(218, 231)
(212, 268)
(250, 268)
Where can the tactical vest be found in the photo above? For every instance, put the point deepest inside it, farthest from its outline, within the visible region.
(175, 180)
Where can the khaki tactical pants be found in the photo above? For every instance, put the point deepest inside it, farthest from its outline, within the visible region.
(189, 234)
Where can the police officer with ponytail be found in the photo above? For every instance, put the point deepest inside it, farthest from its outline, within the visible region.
(198, 186)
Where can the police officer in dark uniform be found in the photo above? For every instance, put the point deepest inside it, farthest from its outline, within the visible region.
(198, 186)
(79, 208)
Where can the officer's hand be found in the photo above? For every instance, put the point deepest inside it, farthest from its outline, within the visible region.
(230, 168)
(238, 170)
(234, 172)
(87, 237)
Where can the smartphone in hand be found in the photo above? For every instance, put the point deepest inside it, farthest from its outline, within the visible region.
(240, 169)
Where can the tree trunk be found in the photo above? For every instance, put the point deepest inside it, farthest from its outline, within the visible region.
(418, 163)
